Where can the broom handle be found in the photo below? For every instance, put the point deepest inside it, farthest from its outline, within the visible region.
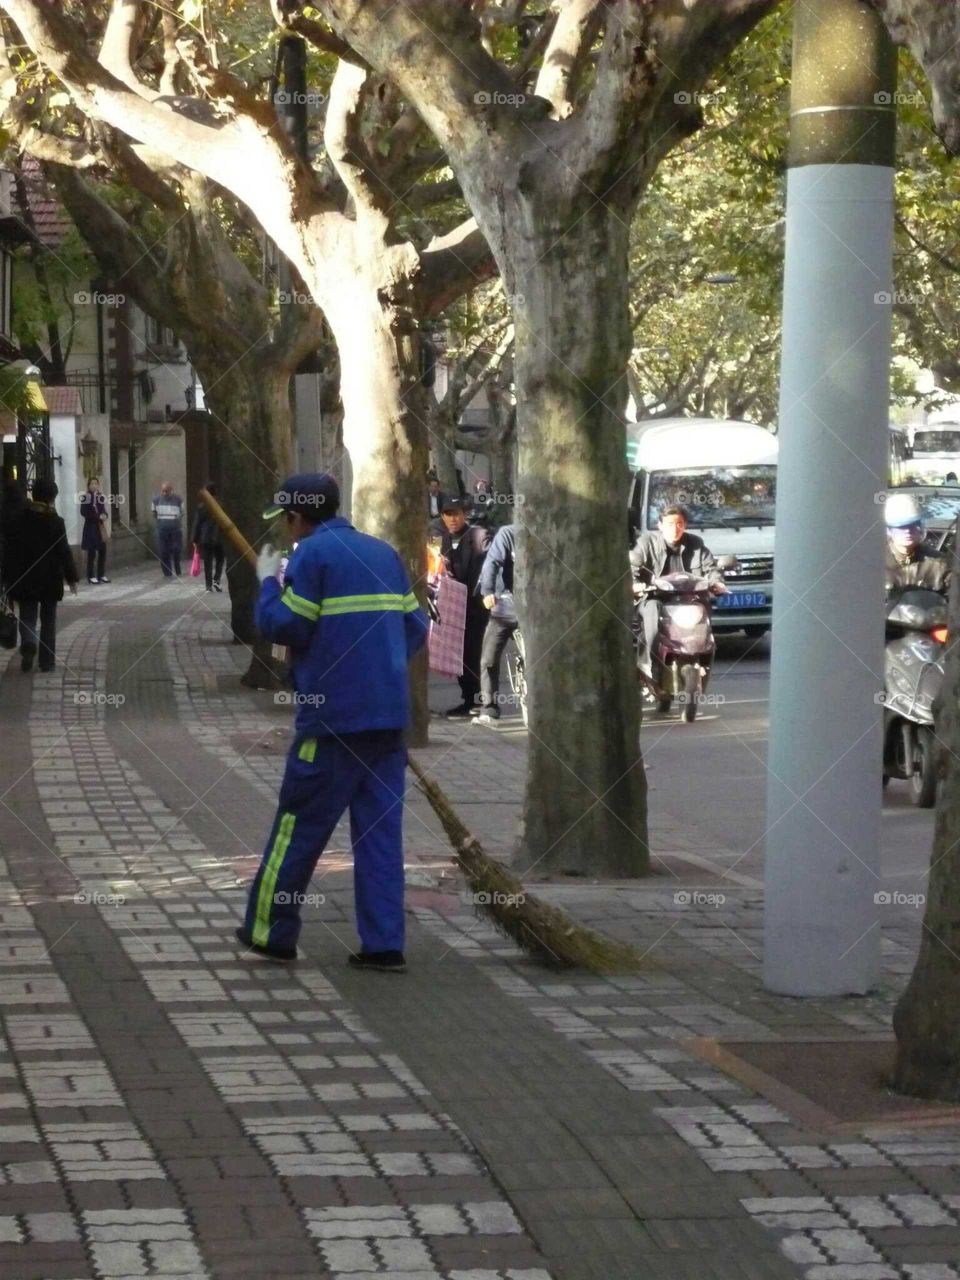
(228, 527)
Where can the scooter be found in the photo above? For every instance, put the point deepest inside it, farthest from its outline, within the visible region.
(913, 673)
(683, 648)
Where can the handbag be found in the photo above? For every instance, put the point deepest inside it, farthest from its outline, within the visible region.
(105, 530)
(8, 624)
(195, 565)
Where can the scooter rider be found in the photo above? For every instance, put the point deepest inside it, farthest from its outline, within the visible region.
(668, 549)
(910, 561)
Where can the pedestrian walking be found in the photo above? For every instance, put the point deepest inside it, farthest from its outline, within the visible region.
(168, 516)
(93, 513)
(208, 538)
(37, 563)
(435, 500)
(464, 547)
(351, 622)
(496, 590)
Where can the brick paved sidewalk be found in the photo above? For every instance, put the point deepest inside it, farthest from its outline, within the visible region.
(167, 1111)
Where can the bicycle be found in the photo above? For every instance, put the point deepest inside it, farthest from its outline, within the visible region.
(516, 673)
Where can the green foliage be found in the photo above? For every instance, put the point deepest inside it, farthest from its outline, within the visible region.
(716, 210)
(67, 269)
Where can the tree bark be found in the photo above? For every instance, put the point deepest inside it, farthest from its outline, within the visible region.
(925, 1020)
(384, 417)
(572, 343)
(443, 441)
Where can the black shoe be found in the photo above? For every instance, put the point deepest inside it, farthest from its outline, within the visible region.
(26, 660)
(279, 955)
(460, 711)
(51, 667)
(379, 961)
(217, 586)
(102, 579)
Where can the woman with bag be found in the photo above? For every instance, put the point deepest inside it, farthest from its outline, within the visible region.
(208, 540)
(96, 530)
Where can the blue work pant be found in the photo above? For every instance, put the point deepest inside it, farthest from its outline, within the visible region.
(324, 777)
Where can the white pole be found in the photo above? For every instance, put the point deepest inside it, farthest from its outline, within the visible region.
(822, 934)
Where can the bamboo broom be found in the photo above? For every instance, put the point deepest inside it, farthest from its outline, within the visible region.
(546, 932)
(228, 527)
(278, 651)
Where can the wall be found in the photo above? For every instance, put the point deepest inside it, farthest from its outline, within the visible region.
(66, 472)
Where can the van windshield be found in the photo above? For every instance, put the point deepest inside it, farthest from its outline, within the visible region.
(927, 442)
(716, 495)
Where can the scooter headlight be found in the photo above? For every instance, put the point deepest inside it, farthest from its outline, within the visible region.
(686, 615)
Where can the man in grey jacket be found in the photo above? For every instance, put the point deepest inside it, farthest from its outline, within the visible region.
(168, 517)
(669, 549)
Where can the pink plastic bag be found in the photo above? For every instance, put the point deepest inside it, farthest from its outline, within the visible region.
(445, 644)
(195, 563)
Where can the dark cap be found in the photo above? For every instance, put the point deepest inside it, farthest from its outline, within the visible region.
(453, 504)
(313, 494)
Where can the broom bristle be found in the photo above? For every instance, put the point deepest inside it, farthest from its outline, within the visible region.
(540, 929)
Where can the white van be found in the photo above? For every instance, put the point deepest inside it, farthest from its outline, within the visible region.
(725, 475)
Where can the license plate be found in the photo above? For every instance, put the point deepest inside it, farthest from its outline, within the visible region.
(742, 600)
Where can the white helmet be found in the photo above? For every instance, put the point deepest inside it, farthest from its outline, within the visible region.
(901, 510)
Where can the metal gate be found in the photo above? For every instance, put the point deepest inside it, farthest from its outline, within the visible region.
(34, 454)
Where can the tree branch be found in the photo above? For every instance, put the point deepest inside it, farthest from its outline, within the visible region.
(451, 266)
(577, 22)
(118, 46)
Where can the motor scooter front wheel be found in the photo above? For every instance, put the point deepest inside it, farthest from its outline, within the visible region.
(923, 780)
(692, 689)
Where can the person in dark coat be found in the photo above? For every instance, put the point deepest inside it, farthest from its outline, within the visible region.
(93, 512)
(464, 548)
(208, 538)
(496, 591)
(37, 563)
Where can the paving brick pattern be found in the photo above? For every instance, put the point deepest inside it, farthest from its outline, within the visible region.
(166, 1110)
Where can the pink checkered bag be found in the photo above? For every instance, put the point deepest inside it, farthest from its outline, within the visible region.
(445, 643)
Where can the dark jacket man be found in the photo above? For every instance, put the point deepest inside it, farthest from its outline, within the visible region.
(926, 568)
(38, 558)
(465, 560)
(464, 548)
(652, 557)
(37, 562)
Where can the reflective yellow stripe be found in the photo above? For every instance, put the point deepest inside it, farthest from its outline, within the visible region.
(410, 603)
(299, 604)
(268, 882)
(387, 602)
(308, 750)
